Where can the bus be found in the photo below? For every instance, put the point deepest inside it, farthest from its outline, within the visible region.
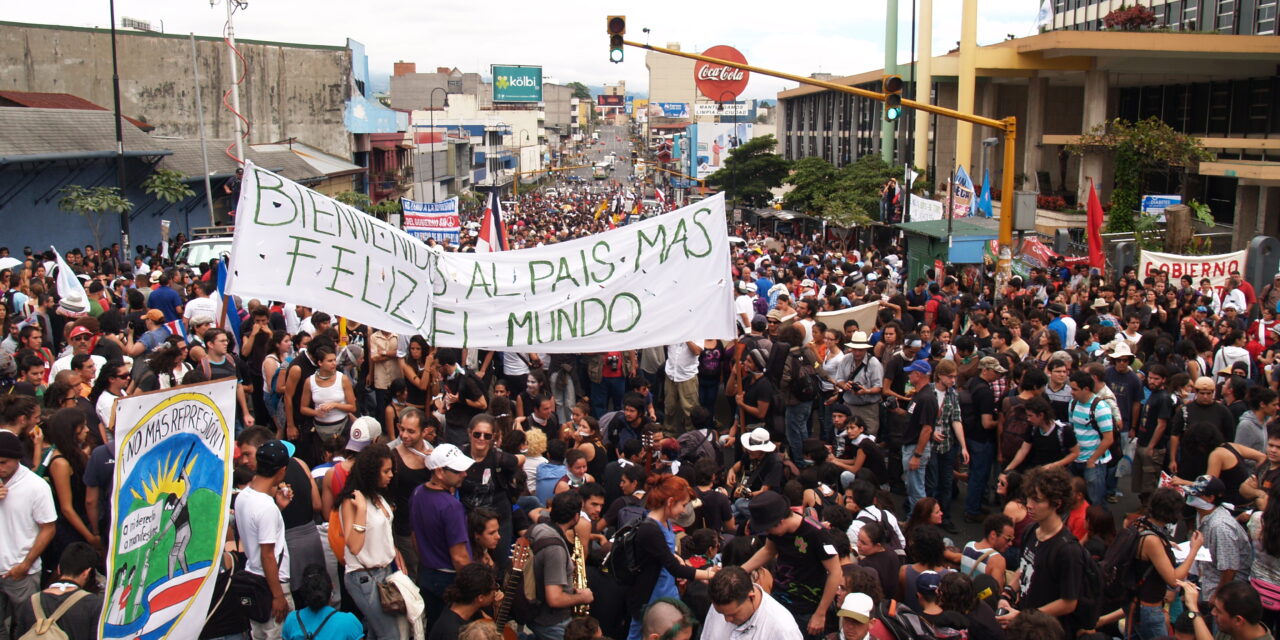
(600, 171)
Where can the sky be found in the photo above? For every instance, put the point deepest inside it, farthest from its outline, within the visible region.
(566, 37)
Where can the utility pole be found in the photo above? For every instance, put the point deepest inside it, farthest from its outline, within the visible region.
(235, 80)
(120, 178)
(890, 68)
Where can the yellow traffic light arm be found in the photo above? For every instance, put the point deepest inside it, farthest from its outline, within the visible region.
(701, 182)
(552, 170)
(942, 111)
(1008, 125)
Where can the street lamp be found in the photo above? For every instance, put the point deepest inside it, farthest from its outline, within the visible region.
(431, 108)
(987, 144)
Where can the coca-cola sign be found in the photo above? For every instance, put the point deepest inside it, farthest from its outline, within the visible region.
(719, 82)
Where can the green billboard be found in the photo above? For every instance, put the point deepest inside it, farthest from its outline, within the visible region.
(516, 83)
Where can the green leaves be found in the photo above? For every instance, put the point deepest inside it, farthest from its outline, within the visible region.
(92, 203)
(354, 199)
(750, 171)
(167, 185)
(846, 196)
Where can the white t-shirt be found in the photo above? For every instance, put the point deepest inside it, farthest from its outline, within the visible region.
(106, 402)
(873, 514)
(258, 521)
(28, 505)
(205, 306)
(682, 362)
(771, 621)
(64, 363)
(744, 304)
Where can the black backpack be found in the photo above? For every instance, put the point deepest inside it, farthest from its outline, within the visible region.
(805, 385)
(1090, 605)
(902, 621)
(623, 561)
(1120, 575)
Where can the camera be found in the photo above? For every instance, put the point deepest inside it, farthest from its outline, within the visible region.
(613, 362)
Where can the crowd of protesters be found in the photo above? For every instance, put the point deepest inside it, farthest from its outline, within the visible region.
(800, 480)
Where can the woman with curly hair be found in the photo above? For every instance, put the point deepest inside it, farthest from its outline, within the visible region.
(370, 547)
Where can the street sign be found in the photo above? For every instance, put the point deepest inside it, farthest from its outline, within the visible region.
(517, 83)
(721, 109)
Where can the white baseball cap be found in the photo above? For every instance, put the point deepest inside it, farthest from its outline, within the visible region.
(449, 456)
(363, 432)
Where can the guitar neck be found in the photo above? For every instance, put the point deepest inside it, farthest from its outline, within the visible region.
(515, 579)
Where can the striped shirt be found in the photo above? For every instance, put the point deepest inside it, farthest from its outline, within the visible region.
(1087, 435)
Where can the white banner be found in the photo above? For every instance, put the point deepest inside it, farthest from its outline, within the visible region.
(924, 209)
(171, 499)
(655, 282)
(1216, 268)
(865, 314)
(735, 109)
(439, 220)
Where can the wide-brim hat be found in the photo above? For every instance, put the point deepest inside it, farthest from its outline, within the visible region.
(758, 440)
(858, 340)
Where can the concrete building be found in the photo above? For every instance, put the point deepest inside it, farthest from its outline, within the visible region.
(503, 138)
(289, 90)
(1224, 89)
(1238, 17)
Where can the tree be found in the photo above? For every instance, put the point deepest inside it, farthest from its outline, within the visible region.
(812, 178)
(385, 208)
(1140, 148)
(580, 91)
(750, 171)
(854, 195)
(354, 199)
(91, 203)
(167, 185)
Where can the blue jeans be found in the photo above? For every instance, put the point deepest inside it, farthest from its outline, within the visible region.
(940, 479)
(608, 392)
(708, 392)
(432, 583)
(798, 429)
(1151, 623)
(1095, 480)
(362, 586)
(981, 455)
(550, 632)
(914, 479)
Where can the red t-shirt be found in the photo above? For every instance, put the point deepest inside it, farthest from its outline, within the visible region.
(1076, 522)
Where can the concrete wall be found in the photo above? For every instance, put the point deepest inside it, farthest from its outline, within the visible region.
(671, 78)
(290, 90)
(412, 91)
(555, 99)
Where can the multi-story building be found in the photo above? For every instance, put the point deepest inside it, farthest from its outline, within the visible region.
(1238, 17)
(1222, 88)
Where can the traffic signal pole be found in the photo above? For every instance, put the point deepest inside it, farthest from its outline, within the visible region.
(1008, 125)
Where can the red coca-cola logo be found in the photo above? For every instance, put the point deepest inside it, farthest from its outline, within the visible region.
(718, 82)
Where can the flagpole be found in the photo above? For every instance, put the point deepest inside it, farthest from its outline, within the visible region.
(951, 212)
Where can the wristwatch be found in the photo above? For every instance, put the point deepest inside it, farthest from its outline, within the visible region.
(1192, 615)
(916, 455)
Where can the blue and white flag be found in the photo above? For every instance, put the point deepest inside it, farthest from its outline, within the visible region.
(983, 205)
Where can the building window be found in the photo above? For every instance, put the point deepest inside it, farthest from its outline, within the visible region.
(1226, 16)
(1265, 23)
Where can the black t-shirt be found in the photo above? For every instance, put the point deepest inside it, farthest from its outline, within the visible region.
(1048, 447)
(80, 623)
(894, 376)
(873, 460)
(886, 565)
(459, 415)
(447, 626)
(1159, 406)
(760, 390)
(982, 401)
(923, 411)
(1053, 569)
(765, 472)
(714, 511)
(800, 575)
(488, 480)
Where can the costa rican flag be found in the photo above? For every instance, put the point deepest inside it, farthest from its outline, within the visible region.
(177, 328)
(493, 231)
(660, 197)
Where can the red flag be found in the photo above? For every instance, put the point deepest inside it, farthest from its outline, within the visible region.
(1096, 259)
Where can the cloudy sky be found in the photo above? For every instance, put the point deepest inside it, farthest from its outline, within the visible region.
(566, 37)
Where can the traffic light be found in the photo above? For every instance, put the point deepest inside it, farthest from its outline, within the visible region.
(617, 26)
(891, 87)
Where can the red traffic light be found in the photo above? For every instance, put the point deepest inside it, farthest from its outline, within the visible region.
(891, 84)
(617, 25)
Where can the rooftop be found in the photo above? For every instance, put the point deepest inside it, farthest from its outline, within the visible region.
(960, 227)
(34, 132)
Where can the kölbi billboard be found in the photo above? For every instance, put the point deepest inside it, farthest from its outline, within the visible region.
(517, 83)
